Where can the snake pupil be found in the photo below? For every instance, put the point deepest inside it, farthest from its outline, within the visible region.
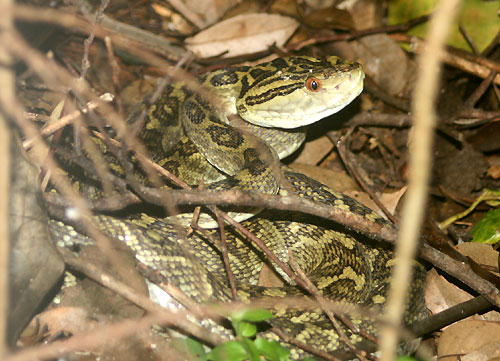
(313, 84)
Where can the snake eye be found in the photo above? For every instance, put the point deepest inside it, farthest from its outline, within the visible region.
(313, 84)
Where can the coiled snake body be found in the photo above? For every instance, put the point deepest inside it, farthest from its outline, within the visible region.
(198, 141)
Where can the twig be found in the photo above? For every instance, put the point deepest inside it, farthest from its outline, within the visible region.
(450, 315)
(486, 52)
(480, 90)
(88, 42)
(225, 256)
(69, 118)
(468, 39)
(419, 167)
(358, 173)
(125, 37)
(378, 229)
(380, 120)
(6, 97)
(115, 71)
(374, 89)
(462, 272)
(190, 15)
(476, 65)
(358, 34)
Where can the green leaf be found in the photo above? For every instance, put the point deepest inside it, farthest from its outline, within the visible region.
(251, 349)
(229, 351)
(195, 348)
(405, 358)
(246, 329)
(478, 17)
(272, 350)
(251, 315)
(487, 230)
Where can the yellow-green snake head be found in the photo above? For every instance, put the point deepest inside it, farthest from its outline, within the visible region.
(297, 91)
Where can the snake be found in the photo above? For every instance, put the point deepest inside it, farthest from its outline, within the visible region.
(258, 117)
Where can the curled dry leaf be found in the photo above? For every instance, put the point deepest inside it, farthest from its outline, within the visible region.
(385, 62)
(209, 11)
(242, 34)
(440, 294)
(329, 18)
(391, 200)
(62, 320)
(470, 341)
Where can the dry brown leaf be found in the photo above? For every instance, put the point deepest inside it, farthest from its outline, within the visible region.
(391, 200)
(481, 253)
(385, 62)
(366, 13)
(314, 151)
(210, 11)
(441, 294)
(335, 179)
(242, 34)
(473, 340)
(286, 7)
(68, 320)
(319, 4)
(494, 166)
(329, 18)
(269, 278)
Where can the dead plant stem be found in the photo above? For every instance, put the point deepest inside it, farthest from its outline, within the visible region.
(6, 97)
(423, 109)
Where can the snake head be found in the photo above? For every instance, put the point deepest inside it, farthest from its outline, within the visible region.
(297, 91)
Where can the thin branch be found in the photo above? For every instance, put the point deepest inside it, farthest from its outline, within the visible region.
(450, 315)
(358, 173)
(51, 128)
(472, 64)
(7, 95)
(358, 34)
(190, 15)
(225, 256)
(480, 90)
(88, 42)
(419, 169)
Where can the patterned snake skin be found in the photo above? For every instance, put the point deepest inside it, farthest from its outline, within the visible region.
(199, 142)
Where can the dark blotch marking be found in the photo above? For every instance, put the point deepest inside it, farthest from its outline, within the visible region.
(253, 163)
(255, 73)
(279, 63)
(194, 112)
(214, 119)
(172, 166)
(245, 86)
(224, 78)
(225, 136)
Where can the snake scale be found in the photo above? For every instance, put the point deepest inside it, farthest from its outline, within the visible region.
(200, 142)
